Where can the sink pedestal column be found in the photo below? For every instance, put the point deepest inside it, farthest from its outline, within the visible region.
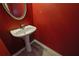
(27, 43)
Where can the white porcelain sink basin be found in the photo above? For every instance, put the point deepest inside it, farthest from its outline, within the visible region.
(20, 32)
(24, 33)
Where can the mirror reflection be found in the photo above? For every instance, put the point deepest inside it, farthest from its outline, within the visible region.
(15, 10)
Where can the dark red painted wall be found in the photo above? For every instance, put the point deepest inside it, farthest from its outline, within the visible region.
(3, 49)
(7, 23)
(58, 26)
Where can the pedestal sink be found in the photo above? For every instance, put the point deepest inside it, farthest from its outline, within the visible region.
(24, 33)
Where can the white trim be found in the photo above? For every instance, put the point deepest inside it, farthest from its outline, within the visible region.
(47, 49)
(17, 53)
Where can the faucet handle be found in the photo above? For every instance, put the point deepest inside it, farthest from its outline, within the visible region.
(22, 25)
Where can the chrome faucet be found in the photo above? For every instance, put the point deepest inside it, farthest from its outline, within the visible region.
(22, 26)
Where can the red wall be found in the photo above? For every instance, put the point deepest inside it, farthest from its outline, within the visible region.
(58, 26)
(3, 49)
(7, 23)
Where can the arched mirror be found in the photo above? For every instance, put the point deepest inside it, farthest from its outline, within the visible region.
(15, 10)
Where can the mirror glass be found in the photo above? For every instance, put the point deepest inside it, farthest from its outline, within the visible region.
(15, 10)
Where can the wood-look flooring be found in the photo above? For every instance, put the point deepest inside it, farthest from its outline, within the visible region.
(39, 50)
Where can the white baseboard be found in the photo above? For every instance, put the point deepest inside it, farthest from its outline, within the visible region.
(47, 49)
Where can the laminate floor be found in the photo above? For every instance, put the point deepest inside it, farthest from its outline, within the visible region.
(38, 50)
